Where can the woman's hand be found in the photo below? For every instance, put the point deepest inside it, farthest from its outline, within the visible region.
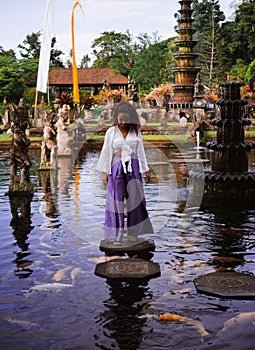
(104, 178)
(148, 176)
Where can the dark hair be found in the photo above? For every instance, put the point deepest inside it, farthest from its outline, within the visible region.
(126, 107)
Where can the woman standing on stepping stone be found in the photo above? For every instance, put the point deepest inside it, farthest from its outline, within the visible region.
(122, 161)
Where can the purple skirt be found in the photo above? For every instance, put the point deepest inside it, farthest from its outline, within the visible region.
(125, 194)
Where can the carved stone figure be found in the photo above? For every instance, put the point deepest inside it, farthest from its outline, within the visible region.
(49, 142)
(198, 86)
(63, 139)
(132, 90)
(19, 158)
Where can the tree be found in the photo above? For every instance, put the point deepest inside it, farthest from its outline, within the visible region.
(55, 54)
(208, 16)
(167, 71)
(8, 53)
(85, 61)
(30, 49)
(28, 70)
(250, 73)
(113, 50)
(243, 44)
(149, 68)
(31, 46)
(238, 70)
(11, 81)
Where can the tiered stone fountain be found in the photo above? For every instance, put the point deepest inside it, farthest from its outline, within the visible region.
(229, 176)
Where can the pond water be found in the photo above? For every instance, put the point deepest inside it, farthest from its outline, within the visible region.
(51, 298)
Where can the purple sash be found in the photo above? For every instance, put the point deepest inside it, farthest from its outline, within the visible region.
(127, 186)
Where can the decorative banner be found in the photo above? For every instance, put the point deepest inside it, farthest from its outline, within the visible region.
(44, 60)
(76, 95)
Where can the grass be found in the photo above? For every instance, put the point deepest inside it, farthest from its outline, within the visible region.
(210, 134)
(8, 137)
(147, 138)
(152, 124)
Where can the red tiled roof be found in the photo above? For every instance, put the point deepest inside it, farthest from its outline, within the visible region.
(86, 76)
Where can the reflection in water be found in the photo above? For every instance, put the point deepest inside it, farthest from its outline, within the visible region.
(46, 181)
(65, 171)
(104, 314)
(21, 224)
(227, 241)
(119, 320)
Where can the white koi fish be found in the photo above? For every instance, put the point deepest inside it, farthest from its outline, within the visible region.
(74, 273)
(240, 320)
(49, 287)
(22, 323)
(103, 259)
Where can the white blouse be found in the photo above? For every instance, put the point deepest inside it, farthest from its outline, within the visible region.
(131, 145)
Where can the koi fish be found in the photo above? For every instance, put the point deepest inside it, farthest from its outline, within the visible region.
(187, 320)
(171, 317)
(227, 259)
(178, 319)
(59, 275)
(103, 259)
(240, 320)
(231, 232)
(49, 286)
(22, 323)
(74, 273)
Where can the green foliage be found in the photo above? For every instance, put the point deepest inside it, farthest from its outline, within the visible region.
(113, 50)
(250, 72)
(7, 53)
(29, 95)
(243, 42)
(11, 81)
(30, 48)
(238, 70)
(150, 66)
(28, 70)
(208, 16)
(84, 61)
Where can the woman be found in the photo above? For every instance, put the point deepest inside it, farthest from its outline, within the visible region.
(122, 161)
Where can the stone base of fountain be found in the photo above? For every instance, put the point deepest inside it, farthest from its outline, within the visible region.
(236, 188)
(126, 269)
(227, 284)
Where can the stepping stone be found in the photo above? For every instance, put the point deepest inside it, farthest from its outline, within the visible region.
(127, 268)
(227, 284)
(130, 247)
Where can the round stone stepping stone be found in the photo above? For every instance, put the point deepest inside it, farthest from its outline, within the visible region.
(227, 284)
(129, 247)
(127, 268)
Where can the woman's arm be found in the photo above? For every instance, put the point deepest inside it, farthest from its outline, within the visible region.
(143, 165)
(105, 158)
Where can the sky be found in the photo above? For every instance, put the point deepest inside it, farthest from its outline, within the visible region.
(20, 18)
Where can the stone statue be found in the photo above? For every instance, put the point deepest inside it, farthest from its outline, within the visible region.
(19, 158)
(198, 86)
(106, 85)
(132, 90)
(49, 142)
(63, 139)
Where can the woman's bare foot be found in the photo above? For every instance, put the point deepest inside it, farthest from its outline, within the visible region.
(117, 243)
